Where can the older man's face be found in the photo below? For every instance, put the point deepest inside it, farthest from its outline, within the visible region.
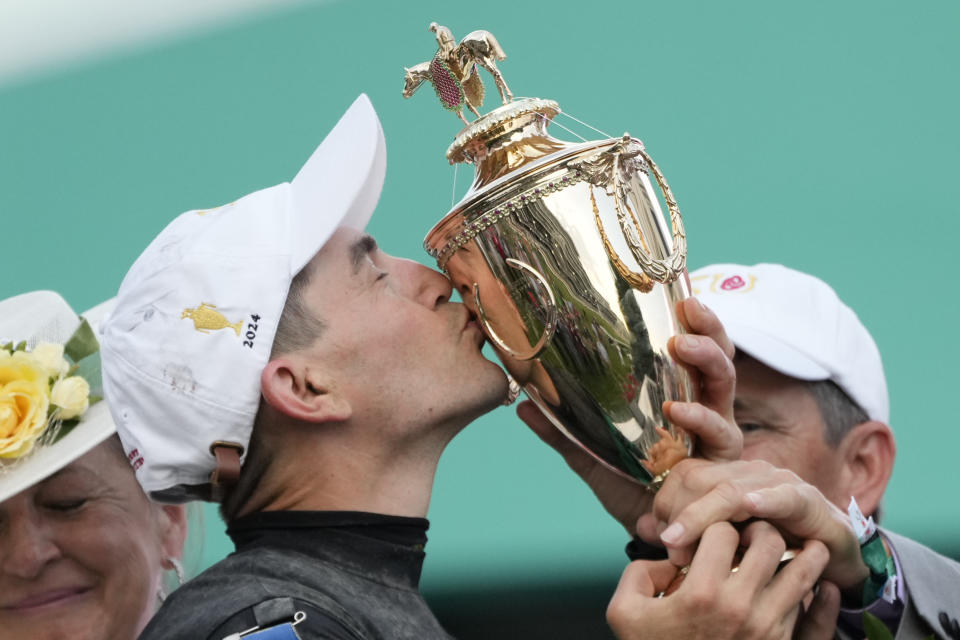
(782, 425)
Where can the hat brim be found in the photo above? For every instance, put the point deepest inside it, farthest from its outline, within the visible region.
(340, 183)
(95, 427)
(774, 353)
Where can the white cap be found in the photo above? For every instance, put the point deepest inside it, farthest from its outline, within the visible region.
(795, 323)
(44, 316)
(197, 313)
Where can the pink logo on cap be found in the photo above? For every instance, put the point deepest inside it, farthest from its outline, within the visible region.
(136, 460)
(733, 283)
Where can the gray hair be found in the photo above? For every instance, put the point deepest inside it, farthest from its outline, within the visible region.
(839, 412)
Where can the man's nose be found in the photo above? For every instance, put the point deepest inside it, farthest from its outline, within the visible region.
(26, 547)
(432, 287)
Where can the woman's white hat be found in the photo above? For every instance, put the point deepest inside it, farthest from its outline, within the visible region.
(44, 316)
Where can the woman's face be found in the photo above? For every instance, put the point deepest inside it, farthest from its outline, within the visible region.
(82, 552)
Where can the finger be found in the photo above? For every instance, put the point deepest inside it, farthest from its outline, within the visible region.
(692, 371)
(638, 585)
(789, 622)
(671, 498)
(820, 620)
(717, 376)
(706, 356)
(796, 579)
(714, 558)
(695, 479)
(800, 507)
(647, 577)
(717, 438)
(681, 309)
(765, 547)
(682, 556)
(539, 423)
(698, 318)
(720, 504)
(648, 530)
(801, 511)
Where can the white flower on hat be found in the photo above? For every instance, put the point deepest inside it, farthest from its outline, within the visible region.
(49, 359)
(72, 396)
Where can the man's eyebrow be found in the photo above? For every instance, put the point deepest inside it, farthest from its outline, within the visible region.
(364, 246)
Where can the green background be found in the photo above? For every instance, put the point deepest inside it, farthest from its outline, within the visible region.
(819, 134)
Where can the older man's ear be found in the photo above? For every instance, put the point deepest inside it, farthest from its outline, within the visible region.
(868, 451)
(302, 392)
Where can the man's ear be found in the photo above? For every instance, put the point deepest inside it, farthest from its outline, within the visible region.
(173, 532)
(868, 452)
(302, 393)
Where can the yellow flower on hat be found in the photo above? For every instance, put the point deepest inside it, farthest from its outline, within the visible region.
(72, 396)
(49, 358)
(24, 402)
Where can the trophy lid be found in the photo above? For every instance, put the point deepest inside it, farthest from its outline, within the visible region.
(499, 143)
(509, 125)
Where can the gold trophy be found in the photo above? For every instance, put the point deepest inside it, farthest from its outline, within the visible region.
(563, 253)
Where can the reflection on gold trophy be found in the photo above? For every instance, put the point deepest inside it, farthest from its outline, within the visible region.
(562, 252)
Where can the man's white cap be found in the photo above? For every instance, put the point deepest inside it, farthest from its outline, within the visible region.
(197, 313)
(44, 316)
(795, 323)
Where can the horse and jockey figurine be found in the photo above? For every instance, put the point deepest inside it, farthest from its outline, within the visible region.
(453, 70)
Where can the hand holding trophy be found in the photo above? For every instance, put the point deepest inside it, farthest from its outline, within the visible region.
(564, 255)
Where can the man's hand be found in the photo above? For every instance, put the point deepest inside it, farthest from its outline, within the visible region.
(712, 602)
(697, 496)
(707, 353)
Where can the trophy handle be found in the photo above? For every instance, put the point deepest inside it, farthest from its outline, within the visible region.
(550, 325)
(612, 170)
(639, 281)
(672, 267)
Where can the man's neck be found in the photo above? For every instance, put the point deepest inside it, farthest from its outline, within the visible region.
(341, 473)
